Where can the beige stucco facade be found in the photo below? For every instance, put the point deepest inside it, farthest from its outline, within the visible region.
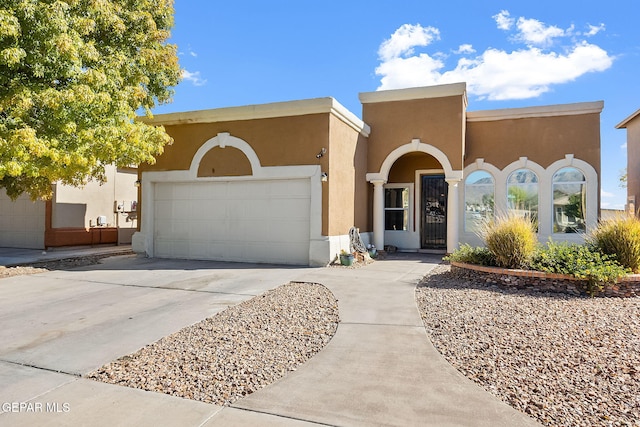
(632, 125)
(399, 174)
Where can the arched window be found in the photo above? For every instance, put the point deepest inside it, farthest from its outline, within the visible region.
(569, 201)
(522, 194)
(479, 191)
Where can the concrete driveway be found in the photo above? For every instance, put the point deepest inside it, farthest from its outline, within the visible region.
(379, 369)
(59, 325)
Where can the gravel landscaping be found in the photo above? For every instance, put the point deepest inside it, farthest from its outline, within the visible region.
(235, 352)
(564, 360)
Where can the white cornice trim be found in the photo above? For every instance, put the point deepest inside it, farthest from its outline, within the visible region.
(541, 111)
(623, 124)
(439, 91)
(263, 111)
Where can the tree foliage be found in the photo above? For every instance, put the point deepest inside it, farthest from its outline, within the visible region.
(72, 76)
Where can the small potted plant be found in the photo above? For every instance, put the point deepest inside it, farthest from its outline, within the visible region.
(373, 252)
(346, 258)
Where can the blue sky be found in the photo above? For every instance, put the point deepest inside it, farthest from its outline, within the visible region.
(511, 54)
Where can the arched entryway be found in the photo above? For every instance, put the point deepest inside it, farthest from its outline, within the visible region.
(415, 202)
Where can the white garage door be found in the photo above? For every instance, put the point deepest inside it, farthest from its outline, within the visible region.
(250, 221)
(22, 222)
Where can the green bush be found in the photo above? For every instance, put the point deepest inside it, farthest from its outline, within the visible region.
(511, 240)
(470, 255)
(620, 238)
(584, 262)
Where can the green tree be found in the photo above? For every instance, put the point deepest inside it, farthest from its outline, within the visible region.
(72, 76)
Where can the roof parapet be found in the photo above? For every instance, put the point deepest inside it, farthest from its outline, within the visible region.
(623, 124)
(262, 111)
(439, 91)
(539, 111)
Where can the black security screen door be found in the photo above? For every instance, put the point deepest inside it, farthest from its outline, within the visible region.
(434, 212)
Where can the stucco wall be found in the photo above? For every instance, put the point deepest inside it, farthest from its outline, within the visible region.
(403, 170)
(228, 161)
(543, 140)
(435, 121)
(276, 141)
(80, 207)
(347, 197)
(633, 161)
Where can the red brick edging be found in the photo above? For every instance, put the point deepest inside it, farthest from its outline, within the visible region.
(626, 287)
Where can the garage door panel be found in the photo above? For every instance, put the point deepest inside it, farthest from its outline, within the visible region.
(242, 191)
(263, 221)
(292, 188)
(22, 222)
(291, 208)
(163, 209)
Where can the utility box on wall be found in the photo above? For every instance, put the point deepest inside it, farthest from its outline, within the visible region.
(125, 206)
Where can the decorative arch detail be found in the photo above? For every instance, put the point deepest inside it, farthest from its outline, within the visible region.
(415, 146)
(222, 140)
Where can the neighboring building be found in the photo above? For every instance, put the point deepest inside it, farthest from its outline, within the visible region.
(284, 182)
(73, 216)
(632, 125)
(610, 214)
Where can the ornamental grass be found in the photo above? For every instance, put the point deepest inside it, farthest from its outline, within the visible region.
(620, 238)
(512, 241)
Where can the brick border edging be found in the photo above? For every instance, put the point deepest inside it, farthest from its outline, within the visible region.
(626, 287)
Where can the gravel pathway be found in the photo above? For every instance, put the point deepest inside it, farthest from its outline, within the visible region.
(235, 352)
(564, 360)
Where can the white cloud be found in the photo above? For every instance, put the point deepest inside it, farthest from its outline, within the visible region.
(504, 20)
(465, 48)
(623, 146)
(494, 74)
(194, 77)
(536, 33)
(405, 39)
(606, 194)
(595, 29)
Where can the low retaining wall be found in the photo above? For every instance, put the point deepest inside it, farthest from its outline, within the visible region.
(626, 287)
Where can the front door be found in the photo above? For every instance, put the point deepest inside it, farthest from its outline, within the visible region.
(434, 212)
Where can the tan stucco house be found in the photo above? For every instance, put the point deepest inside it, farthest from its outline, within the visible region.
(632, 125)
(284, 182)
(92, 215)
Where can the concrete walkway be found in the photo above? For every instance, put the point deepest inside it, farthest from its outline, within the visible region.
(379, 369)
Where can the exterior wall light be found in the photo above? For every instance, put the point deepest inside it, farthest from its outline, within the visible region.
(324, 177)
(137, 183)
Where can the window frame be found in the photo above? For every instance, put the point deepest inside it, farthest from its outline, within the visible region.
(410, 222)
(464, 200)
(585, 191)
(538, 183)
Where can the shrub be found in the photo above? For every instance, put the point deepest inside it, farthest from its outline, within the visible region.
(512, 241)
(584, 262)
(620, 238)
(470, 255)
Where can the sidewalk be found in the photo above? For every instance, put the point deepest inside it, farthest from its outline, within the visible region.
(10, 257)
(379, 368)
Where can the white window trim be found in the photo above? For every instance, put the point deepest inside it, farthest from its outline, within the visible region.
(545, 194)
(464, 196)
(410, 214)
(589, 193)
